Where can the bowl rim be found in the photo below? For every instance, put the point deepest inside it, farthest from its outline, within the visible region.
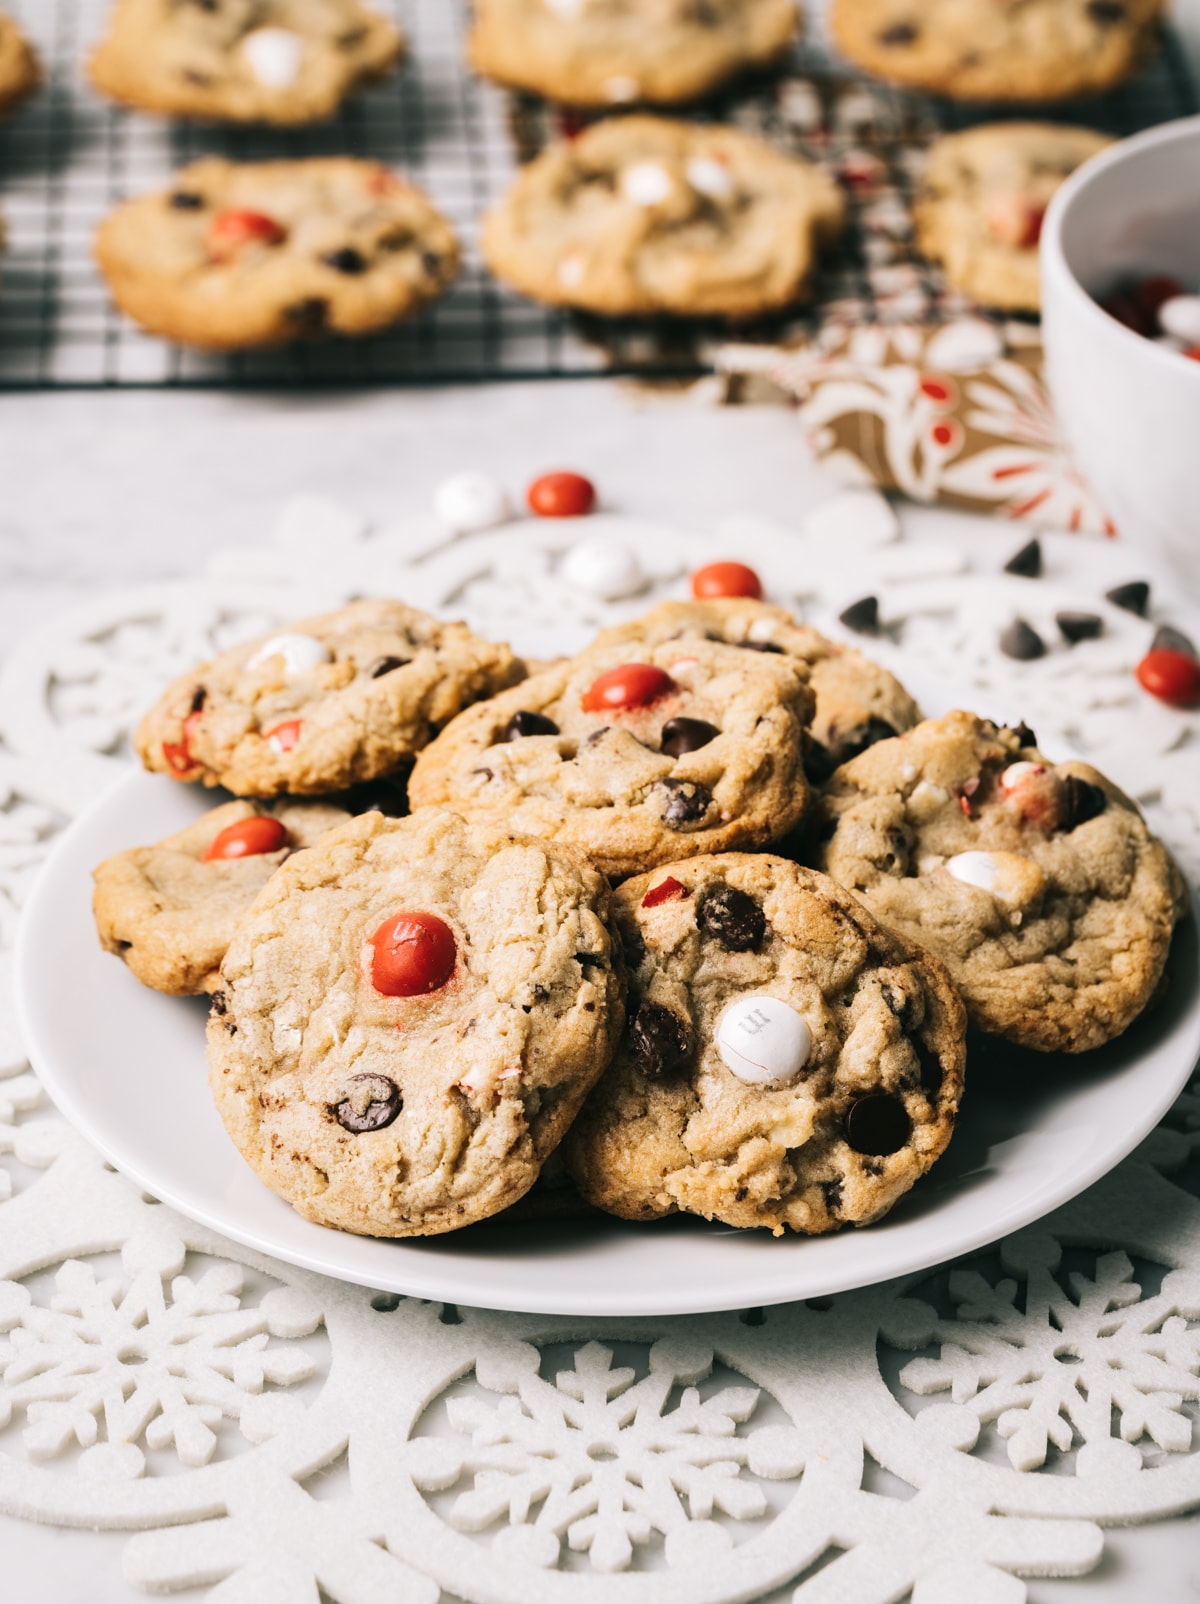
(1053, 259)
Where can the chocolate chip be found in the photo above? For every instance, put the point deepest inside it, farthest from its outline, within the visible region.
(862, 616)
(371, 1102)
(1021, 642)
(733, 918)
(900, 1003)
(198, 696)
(1079, 626)
(1084, 801)
(932, 1073)
(760, 646)
(878, 1124)
(346, 260)
(1167, 639)
(1133, 596)
(596, 958)
(1027, 562)
(1105, 12)
(660, 1039)
(1024, 734)
(900, 33)
(819, 763)
(526, 723)
(864, 735)
(308, 315)
(833, 1194)
(220, 1003)
(385, 665)
(186, 200)
(687, 802)
(680, 735)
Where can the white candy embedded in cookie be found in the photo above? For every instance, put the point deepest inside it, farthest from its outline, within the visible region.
(1007, 876)
(926, 800)
(274, 56)
(645, 183)
(468, 502)
(1180, 317)
(298, 652)
(762, 1041)
(710, 177)
(603, 567)
(1018, 774)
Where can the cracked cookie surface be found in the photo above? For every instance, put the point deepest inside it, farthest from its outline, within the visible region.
(1038, 885)
(407, 1112)
(787, 1061)
(248, 254)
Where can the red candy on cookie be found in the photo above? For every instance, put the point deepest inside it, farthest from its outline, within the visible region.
(627, 686)
(562, 495)
(284, 736)
(726, 579)
(414, 954)
(1174, 677)
(178, 754)
(665, 891)
(230, 230)
(248, 838)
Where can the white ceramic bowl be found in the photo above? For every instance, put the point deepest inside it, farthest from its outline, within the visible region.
(1130, 409)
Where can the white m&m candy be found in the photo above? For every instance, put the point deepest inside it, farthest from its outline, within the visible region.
(469, 502)
(298, 652)
(603, 567)
(274, 56)
(645, 183)
(1008, 876)
(762, 1041)
(1180, 317)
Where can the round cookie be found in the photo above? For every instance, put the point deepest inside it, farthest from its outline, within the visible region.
(635, 755)
(1033, 50)
(272, 61)
(1038, 885)
(643, 215)
(410, 1017)
(20, 70)
(857, 701)
(249, 254)
(322, 704)
(982, 200)
(168, 911)
(787, 1061)
(607, 52)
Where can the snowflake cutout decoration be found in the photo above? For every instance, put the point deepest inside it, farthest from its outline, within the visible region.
(147, 1355)
(603, 1460)
(1059, 1370)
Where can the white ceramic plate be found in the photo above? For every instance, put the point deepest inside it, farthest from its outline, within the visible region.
(127, 1067)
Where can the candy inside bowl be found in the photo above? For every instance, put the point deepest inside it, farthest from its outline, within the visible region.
(1129, 405)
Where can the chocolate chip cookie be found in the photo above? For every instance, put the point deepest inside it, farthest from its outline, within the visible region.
(272, 61)
(605, 52)
(643, 215)
(248, 254)
(1035, 50)
(409, 1018)
(169, 911)
(20, 70)
(857, 701)
(323, 704)
(787, 1061)
(635, 755)
(981, 204)
(1037, 884)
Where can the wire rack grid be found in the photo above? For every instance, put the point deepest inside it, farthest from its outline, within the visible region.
(67, 157)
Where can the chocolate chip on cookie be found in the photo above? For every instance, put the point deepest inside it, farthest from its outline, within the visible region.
(371, 1103)
(732, 917)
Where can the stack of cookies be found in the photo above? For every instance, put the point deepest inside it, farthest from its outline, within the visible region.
(695, 920)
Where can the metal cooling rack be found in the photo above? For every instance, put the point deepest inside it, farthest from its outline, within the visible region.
(67, 157)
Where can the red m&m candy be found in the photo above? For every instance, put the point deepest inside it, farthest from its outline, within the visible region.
(726, 579)
(248, 838)
(414, 953)
(562, 495)
(627, 686)
(1174, 677)
(230, 230)
(178, 754)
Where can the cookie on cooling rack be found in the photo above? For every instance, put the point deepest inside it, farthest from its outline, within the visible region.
(608, 52)
(410, 1017)
(788, 1062)
(1038, 885)
(322, 705)
(636, 755)
(644, 215)
(240, 254)
(272, 61)
(168, 911)
(20, 70)
(857, 701)
(1035, 50)
(982, 200)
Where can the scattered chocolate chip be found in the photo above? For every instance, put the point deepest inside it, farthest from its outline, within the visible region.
(1024, 734)
(526, 723)
(833, 1194)
(597, 958)
(760, 646)
(732, 917)
(680, 735)
(385, 665)
(1079, 626)
(863, 735)
(1105, 12)
(123, 946)
(186, 200)
(878, 1124)
(540, 993)
(371, 1102)
(1027, 562)
(819, 763)
(660, 1039)
(1021, 642)
(687, 802)
(346, 260)
(862, 616)
(900, 1003)
(230, 1027)
(198, 696)
(1084, 801)
(931, 1067)
(900, 33)
(1167, 639)
(308, 315)
(220, 1003)
(1133, 596)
